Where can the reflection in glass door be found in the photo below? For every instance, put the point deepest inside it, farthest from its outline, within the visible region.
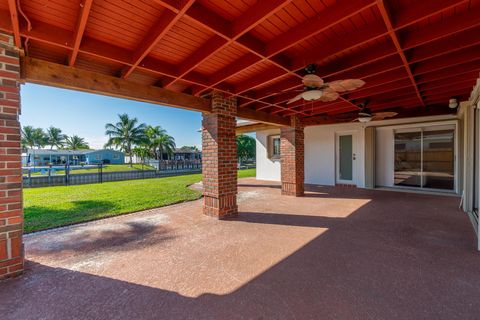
(345, 159)
(438, 159)
(408, 159)
(425, 158)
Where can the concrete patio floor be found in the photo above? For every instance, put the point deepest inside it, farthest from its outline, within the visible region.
(337, 253)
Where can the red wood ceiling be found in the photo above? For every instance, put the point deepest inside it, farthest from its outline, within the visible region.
(412, 54)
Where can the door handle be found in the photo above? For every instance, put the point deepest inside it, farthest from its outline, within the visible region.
(354, 156)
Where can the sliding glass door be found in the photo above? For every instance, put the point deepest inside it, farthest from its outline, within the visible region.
(425, 158)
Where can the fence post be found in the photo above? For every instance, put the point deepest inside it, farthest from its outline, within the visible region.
(50, 175)
(100, 173)
(29, 178)
(66, 173)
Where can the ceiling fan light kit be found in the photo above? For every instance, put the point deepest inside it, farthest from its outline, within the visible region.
(364, 119)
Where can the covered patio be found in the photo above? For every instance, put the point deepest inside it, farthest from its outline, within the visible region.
(337, 253)
(273, 250)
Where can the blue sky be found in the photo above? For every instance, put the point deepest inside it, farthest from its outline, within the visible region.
(86, 114)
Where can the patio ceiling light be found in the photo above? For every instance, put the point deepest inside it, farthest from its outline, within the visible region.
(364, 119)
(452, 103)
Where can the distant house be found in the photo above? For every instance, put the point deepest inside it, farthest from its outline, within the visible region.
(184, 154)
(45, 157)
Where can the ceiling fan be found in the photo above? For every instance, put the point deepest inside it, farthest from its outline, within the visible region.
(316, 89)
(366, 115)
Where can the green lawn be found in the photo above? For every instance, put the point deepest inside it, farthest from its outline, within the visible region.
(58, 206)
(106, 168)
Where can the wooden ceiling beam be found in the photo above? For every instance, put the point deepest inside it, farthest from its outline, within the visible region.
(423, 10)
(388, 22)
(306, 30)
(56, 75)
(436, 31)
(445, 61)
(341, 11)
(449, 71)
(470, 77)
(163, 25)
(255, 15)
(405, 113)
(82, 18)
(254, 127)
(442, 29)
(12, 7)
(462, 40)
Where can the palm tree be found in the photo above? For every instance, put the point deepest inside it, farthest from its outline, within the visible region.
(55, 137)
(76, 143)
(142, 152)
(125, 134)
(33, 137)
(28, 137)
(159, 141)
(165, 144)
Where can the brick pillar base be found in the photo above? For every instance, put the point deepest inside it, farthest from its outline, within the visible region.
(292, 158)
(219, 158)
(11, 212)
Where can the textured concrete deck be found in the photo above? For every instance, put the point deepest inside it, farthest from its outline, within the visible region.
(334, 254)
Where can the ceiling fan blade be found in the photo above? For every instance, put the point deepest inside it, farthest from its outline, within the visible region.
(312, 80)
(384, 115)
(329, 95)
(346, 85)
(296, 98)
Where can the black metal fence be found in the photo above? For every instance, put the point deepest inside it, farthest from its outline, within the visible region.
(51, 177)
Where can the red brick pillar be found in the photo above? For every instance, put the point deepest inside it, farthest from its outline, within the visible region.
(11, 211)
(219, 158)
(292, 158)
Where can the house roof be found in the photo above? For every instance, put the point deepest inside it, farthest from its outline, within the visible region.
(411, 54)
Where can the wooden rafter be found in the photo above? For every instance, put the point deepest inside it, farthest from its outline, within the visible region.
(12, 6)
(83, 14)
(436, 31)
(388, 22)
(154, 35)
(426, 48)
(250, 19)
(294, 36)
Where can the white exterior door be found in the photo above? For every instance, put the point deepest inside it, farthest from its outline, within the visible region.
(345, 158)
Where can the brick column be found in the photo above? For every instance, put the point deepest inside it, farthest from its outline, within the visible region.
(292, 158)
(219, 158)
(11, 211)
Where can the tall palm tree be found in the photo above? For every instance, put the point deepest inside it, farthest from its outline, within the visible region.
(165, 144)
(125, 134)
(33, 137)
(76, 143)
(152, 133)
(28, 137)
(55, 137)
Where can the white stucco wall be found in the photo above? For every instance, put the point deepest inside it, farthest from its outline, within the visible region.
(266, 168)
(320, 153)
(320, 150)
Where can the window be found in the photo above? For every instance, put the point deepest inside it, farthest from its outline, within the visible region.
(98, 157)
(274, 147)
(116, 156)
